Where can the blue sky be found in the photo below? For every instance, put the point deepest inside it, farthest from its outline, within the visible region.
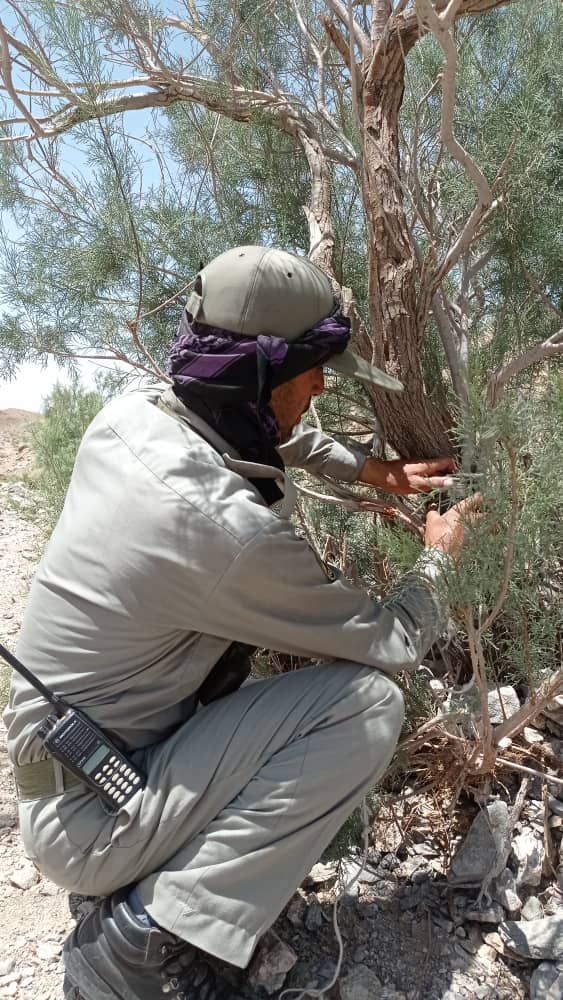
(34, 381)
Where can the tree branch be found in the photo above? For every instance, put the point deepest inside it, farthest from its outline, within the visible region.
(321, 235)
(529, 711)
(6, 70)
(410, 27)
(441, 27)
(535, 285)
(338, 40)
(361, 504)
(550, 348)
(358, 36)
(381, 12)
(319, 57)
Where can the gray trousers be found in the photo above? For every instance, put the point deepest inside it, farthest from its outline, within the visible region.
(240, 802)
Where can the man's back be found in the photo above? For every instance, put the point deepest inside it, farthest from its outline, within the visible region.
(151, 521)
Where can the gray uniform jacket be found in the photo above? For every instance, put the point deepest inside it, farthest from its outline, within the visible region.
(165, 553)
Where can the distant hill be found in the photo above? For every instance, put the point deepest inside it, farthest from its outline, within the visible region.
(15, 450)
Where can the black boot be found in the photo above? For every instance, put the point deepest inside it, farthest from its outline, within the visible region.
(112, 955)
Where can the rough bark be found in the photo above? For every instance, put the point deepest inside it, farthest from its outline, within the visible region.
(409, 420)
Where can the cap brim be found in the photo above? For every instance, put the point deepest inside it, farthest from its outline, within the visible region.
(352, 366)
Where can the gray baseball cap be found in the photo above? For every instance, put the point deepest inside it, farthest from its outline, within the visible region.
(252, 290)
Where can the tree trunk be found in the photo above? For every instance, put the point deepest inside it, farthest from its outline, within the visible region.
(409, 420)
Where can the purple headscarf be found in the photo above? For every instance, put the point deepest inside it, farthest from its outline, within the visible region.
(228, 378)
(248, 368)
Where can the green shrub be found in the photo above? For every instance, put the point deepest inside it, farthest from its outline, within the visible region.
(68, 412)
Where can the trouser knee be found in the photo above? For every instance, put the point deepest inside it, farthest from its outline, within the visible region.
(380, 704)
(395, 706)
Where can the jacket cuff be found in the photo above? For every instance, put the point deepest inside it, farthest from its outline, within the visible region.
(344, 463)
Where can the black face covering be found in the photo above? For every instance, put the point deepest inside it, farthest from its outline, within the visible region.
(228, 379)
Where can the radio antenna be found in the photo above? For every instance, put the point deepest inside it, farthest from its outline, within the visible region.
(58, 703)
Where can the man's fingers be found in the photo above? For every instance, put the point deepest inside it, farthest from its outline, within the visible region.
(440, 482)
(424, 484)
(470, 504)
(431, 465)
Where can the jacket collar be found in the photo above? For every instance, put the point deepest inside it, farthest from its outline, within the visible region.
(170, 403)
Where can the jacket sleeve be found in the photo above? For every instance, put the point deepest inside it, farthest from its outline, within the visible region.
(276, 594)
(311, 449)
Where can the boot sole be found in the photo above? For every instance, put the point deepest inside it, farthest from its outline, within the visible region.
(94, 989)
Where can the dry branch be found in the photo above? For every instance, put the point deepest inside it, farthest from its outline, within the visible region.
(410, 28)
(538, 700)
(359, 503)
(358, 36)
(550, 348)
(441, 26)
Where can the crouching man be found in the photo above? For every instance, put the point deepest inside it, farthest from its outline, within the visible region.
(174, 543)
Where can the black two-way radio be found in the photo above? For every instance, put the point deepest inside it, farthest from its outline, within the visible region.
(81, 747)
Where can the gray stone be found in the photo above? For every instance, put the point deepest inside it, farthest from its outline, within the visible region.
(271, 964)
(555, 805)
(314, 917)
(48, 950)
(504, 892)
(352, 869)
(538, 939)
(551, 900)
(25, 877)
(320, 874)
(529, 851)
(420, 877)
(325, 971)
(547, 982)
(557, 747)
(554, 710)
(532, 909)
(360, 984)
(510, 701)
(384, 892)
(438, 689)
(410, 867)
(9, 984)
(485, 914)
(6, 966)
(479, 852)
(465, 704)
(486, 954)
(531, 736)
(294, 912)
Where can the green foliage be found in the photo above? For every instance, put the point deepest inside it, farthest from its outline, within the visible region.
(68, 412)
(140, 200)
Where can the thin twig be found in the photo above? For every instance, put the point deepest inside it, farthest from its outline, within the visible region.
(530, 770)
(509, 555)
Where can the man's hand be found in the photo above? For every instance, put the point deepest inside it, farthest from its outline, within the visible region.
(401, 478)
(445, 531)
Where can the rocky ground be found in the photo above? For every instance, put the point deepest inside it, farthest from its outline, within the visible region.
(478, 917)
(35, 913)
